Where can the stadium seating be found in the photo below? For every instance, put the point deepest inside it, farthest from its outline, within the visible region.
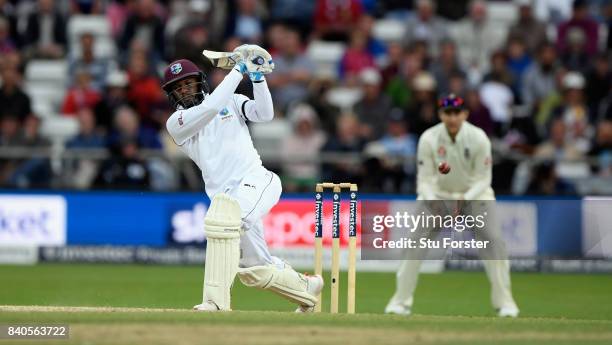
(96, 25)
(388, 30)
(326, 56)
(45, 83)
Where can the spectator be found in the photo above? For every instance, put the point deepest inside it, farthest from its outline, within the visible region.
(598, 83)
(297, 12)
(88, 136)
(32, 172)
(539, 78)
(426, 26)
(453, 10)
(86, 60)
(400, 87)
(457, 85)
(528, 28)
(293, 71)
(573, 111)
(192, 33)
(394, 56)
(87, 7)
(146, 27)
(477, 38)
(376, 47)
(356, 58)
(127, 127)
(500, 69)
(246, 23)
(602, 149)
(522, 135)
(580, 22)
(117, 12)
(124, 170)
(8, 13)
(518, 61)
(144, 90)
(397, 141)
(114, 96)
(446, 65)
(328, 112)
(347, 140)
(12, 98)
(553, 11)
(394, 9)
(304, 145)
(9, 137)
(373, 109)
(607, 12)
(575, 57)
(562, 151)
(7, 44)
(9, 130)
(421, 113)
(83, 171)
(497, 96)
(81, 95)
(392, 164)
(45, 33)
(334, 20)
(546, 182)
(479, 113)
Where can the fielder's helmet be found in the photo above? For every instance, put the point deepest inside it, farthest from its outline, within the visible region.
(179, 70)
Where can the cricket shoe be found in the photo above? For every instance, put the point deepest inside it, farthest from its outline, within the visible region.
(398, 309)
(508, 312)
(315, 285)
(206, 306)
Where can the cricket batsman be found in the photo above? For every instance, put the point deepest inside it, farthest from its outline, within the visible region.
(211, 128)
(454, 163)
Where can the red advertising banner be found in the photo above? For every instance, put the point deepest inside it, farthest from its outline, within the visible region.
(291, 223)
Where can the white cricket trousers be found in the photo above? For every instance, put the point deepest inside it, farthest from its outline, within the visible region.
(495, 262)
(256, 193)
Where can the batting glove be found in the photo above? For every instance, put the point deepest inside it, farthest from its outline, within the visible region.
(257, 61)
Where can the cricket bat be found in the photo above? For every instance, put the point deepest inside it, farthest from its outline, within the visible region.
(225, 60)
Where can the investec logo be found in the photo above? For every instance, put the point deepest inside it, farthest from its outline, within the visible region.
(335, 225)
(32, 220)
(318, 225)
(353, 214)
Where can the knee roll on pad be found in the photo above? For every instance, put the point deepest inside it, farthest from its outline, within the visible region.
(285, 282)
(222, 226)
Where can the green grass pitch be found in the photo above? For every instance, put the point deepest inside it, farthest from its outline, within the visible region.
(450, 308)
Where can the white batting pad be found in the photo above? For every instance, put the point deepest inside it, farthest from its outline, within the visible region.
(285, 282)
(222, 225)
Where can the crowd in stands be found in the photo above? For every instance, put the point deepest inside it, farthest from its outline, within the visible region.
(536, 77)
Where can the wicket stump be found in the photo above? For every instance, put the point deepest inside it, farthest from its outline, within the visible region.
(335, 269)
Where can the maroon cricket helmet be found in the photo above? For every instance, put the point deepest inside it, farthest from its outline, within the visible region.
(179, 70)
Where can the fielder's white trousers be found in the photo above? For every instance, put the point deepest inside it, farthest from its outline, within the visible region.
(497, 268)
(257, 193)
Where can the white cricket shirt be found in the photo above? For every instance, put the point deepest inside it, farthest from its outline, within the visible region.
(469, 157)
(214, 134)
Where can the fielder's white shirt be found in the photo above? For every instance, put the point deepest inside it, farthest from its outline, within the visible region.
(469, 157)
(215, 135)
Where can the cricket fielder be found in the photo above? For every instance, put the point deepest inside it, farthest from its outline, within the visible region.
(211, 128)
(454, 163)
